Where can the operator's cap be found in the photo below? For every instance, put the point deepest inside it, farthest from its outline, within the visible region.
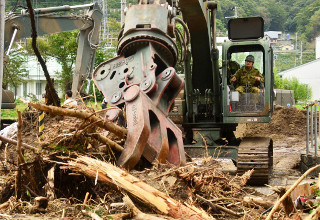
(250, 58)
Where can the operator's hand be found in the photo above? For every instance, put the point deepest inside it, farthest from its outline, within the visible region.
(258, 78)
(234, 79)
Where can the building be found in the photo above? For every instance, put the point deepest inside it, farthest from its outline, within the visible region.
(309, 74)
(35, 84)
(287, 47)
(273, 35)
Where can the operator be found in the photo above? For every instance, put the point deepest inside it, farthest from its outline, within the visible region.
(248, 78)
(69, 100)
(233, 67)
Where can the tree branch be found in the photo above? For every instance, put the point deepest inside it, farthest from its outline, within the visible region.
(54, 96)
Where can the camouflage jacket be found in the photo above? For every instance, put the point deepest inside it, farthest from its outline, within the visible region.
(244, 76)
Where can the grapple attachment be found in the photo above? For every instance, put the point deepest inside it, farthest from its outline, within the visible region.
(143, 79)
(148, 96)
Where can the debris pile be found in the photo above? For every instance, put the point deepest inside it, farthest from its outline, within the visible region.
(286, 122)
(70, 172)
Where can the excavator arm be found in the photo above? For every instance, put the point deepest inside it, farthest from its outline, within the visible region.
(17, 26)
(142, 77)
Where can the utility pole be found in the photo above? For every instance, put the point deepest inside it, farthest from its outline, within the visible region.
(296, 40)
(301, 53)
(2, 23)
(103, 20)
(123, 6)
(236, 12)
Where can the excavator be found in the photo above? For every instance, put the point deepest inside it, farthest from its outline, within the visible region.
(53, 20)
(161, 101)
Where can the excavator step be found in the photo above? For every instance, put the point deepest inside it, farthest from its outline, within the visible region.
(256, 153)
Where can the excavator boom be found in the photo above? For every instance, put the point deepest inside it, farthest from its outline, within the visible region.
(18, 26)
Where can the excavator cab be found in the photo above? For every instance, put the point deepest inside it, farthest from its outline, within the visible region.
(247, 99)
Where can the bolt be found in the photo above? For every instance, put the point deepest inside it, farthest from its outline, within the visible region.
(145, 84)
(116, 97)
(166, 74)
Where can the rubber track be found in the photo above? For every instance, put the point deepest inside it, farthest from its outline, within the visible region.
(256, 153)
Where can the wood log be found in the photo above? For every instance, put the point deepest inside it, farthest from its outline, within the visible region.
(216, 206)
(11, 141)
(110, 126)
(50, 185)
(120, 179)
(4, 205)
(108, 141)
(277, 204)
(287, 203)
(138, 214)
(41, 202)
(257, 201)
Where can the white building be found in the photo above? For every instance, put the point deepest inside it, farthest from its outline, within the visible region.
(273, 35)
(36, 82)
(308, 73)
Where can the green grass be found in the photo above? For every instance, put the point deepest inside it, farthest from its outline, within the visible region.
(12, 113)
(299, 106)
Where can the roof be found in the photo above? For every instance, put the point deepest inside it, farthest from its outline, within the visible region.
(272, 34)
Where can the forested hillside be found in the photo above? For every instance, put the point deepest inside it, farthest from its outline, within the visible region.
(280, 15)
(290, 16)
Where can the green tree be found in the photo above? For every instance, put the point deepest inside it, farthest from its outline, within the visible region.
(302, 92)
(114, 27)
(15, 72)
(276, 15)
(307, 21)
(63, 47)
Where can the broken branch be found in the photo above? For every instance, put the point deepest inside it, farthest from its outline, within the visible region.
(112, 175)
(108, 141)
(216, 206)
(110, 126)
(257, 201)
(53, 93)
(11, 141)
